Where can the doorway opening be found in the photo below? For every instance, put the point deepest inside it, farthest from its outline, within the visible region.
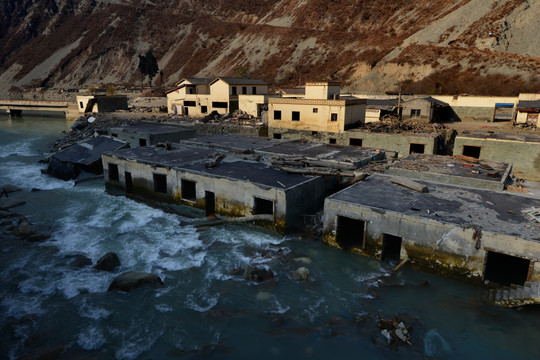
(160, 183)
(350, 233)
(355, 142)
(142, 142)
(188, 190)
(472, 151)
(263, 207)
(391, 248)
(417, 148)
(129, 182)
(113, 172)
(506, 269)
(210, 203)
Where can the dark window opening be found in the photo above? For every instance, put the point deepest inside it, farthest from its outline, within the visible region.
(160, 183)
(234, 90)
(315, 110)
(355, 142)
(81, 105)
(210, 203)
(506, 269)
(190, 103)
(254, 90)
(314, 132)
(188, 190)
(277, 136)
(263, 206)
(204, 109)
(220, 104)
(129, 182)
(332, 141)
(472, 151)
(191, 91)
(142, 142)
(113, 172)
(415, 113)
(391, 248)
(417, 148)
(114, 135)
(333, 117)
(277, 114)
(350, 233)
(296, 116)
(244, 90)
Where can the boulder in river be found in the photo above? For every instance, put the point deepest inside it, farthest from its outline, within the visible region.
(108, 262)
(134, 279)
(78, 261)
(300, 274)
(258, 274)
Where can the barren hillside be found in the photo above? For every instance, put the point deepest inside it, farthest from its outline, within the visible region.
(444, 46)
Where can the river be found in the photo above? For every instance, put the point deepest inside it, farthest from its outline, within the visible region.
(203, 311)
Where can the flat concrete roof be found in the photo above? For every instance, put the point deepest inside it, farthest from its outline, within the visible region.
(277, 147)
(149, 128)
(233, 142)
(192, 158)
(502, 136)
(153, 155)
(249, 171)
(395, 132)
(496, 212)
(451, 166)
(89, 151)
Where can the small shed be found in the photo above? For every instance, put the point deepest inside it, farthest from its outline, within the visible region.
(527, 112)
(102, 103)
(425, 109)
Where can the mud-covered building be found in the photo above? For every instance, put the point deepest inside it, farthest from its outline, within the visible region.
(472, 234)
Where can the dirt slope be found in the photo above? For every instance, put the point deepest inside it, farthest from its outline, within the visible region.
(368, 45)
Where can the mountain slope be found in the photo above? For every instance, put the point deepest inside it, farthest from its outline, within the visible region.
(368, 45)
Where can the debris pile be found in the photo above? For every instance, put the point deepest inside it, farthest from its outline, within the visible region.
(395, 331)
(238, 117)
(392, 125)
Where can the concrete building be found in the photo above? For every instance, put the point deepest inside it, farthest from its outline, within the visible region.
(377, 108)
(527, 112)
(471, 234)
(455, 170)
(425, 109)
(230, 187)
(198, 97)
(194, 87)
(83, 159)
(324, 154)
(321, 110)
(101, 103)
(522, 151)
(479, 108)
(150, 134)
(403, 143)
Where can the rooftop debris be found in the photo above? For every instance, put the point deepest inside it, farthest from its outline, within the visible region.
(532, 213)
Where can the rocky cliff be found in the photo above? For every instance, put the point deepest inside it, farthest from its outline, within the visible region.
(443, 46)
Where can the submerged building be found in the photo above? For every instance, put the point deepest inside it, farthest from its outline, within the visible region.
(228, 186)
(472, 234)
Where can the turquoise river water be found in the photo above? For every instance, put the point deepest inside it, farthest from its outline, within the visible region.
(203, 311)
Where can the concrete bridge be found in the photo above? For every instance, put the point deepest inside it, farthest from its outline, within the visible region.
(16, 107)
